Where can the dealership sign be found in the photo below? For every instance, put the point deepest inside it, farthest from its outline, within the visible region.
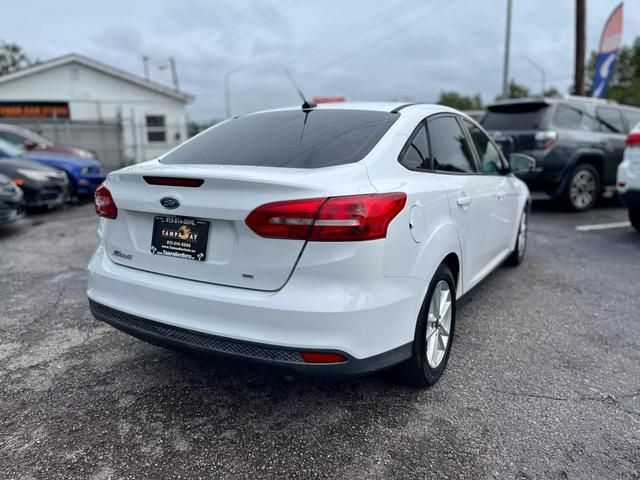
(607, 53)
(34, 110)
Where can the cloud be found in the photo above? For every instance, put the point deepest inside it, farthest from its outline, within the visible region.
(399, 49)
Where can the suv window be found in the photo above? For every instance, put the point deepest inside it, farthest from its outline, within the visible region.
(632, 117)
(610, 120)
(567, 117)
(449, 149)
(287, 138)
(515, 116)
(416, 153)
(490, 159)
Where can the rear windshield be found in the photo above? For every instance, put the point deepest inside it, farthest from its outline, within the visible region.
(524, 116)
(292, 138)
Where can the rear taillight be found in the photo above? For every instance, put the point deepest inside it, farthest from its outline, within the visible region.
(545, 139)
(349, 218)
(633, 139)
(105, 206)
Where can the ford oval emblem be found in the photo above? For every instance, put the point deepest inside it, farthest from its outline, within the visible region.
(170, 203)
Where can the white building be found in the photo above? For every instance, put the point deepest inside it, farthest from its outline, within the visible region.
(150, 118)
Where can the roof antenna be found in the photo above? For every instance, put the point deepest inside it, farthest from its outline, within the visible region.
(307, 106)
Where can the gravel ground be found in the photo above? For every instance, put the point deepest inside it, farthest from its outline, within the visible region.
(543, 382)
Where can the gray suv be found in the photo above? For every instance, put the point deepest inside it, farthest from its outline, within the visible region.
(577, 142)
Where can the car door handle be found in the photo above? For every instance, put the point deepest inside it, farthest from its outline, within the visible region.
(463, 200)
(501, 195)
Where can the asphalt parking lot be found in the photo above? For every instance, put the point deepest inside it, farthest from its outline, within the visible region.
(544, 379)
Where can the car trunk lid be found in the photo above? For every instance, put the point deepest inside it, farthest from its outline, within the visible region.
(235, 255)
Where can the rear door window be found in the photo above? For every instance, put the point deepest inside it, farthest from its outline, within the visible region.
(290, 138)
(610, 120)
(567, 117)
(490, 158)
(449, 149)
(415, 155)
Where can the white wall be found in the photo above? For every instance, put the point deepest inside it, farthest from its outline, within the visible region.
(94, 95)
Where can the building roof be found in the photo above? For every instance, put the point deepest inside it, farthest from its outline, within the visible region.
(101, 67)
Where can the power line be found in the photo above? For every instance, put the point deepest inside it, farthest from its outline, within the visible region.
(270, 14)
(387, 36)
(347, 35)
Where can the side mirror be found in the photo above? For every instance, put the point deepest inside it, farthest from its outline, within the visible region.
(520, 163)
(29, 144)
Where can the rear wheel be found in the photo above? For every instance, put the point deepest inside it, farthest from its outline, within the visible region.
(582, 189)
(634, 218)
(434, 332)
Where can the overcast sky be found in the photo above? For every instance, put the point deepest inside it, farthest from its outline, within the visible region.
(364, 50)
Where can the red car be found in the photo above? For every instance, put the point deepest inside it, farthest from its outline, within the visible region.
(29, 140)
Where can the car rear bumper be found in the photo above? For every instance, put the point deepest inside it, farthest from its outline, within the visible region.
(285, 359)
(631, 198)
(370, 325)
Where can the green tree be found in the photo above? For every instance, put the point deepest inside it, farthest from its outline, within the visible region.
(624, 85)
(12, 58)
(515, 91)
(460, 102)
(552, 92)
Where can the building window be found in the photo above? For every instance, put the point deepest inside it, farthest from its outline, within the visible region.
(156, 129)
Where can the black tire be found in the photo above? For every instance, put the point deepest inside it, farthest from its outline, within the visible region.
(586, 180)
(634, 218)
(416, 371)
(517, 255)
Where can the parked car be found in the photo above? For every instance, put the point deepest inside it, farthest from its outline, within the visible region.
(329, 240)
(577, 142)
(29, 140)
(629, 176)
(11, 201)
(84, 174)
(43, 187)
(477, 115)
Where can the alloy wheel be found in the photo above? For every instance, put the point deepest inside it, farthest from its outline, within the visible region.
(438, 324)
(583, 189)
(522, 235)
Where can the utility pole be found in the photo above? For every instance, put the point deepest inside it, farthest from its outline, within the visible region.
(507, 47)
(227, 90)
(542, 74)
(581, 15)
(174, 73)
(145, 61)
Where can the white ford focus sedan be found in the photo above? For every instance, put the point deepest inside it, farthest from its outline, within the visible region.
(330, 240)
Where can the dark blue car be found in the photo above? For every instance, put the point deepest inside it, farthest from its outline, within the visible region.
(85, 174)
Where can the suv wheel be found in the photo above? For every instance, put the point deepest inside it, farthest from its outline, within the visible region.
(634, 218)
(434, 332)
(582, 189)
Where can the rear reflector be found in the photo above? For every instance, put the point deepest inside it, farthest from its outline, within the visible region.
(633, 139)
(105, 206)
(174, 181)
(334, 219)
(320, 357)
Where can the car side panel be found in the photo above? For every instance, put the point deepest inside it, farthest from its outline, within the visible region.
(423, 234)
